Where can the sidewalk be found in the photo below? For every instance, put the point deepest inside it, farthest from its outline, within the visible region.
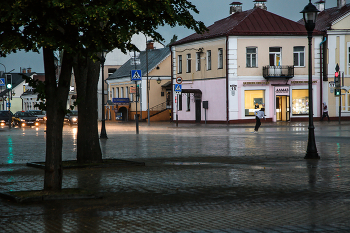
(197, 178)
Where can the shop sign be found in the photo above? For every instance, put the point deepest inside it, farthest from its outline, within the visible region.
(256, 83)
(301, 82)
(282, 91)
(121, 100)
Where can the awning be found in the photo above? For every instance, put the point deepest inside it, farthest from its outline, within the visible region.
(167, 84)
(191, 91)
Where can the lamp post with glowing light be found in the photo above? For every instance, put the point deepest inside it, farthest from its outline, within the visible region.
(309, 16)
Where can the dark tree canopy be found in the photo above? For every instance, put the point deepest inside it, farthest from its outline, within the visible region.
(81, 29)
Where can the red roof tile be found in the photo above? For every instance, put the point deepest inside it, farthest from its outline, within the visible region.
(254, 22)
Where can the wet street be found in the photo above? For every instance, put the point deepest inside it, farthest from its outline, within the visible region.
(197, 178)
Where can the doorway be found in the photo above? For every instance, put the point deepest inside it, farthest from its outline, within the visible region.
(282, 108)
(198, 110)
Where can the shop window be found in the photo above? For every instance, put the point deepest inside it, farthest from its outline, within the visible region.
(188, 102)
(179, 64)
(251, 57)
(188, 63)
(300, 102)
(253, 100)
(209, 60)
(299, 55)
(180, 102)
(220, 59)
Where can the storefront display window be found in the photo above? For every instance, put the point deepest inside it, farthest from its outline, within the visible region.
(254, 100)
(300, 102)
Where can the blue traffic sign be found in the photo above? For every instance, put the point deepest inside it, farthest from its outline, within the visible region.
(136, 75)
(2, 82)
(178, 87)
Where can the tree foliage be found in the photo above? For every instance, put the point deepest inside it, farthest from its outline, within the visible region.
(81, 29)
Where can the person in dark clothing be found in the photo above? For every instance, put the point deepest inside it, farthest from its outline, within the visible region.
(258, 116)
(325, 111)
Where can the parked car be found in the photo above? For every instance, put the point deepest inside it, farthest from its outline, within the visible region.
(4, 117)
(22, 119)
(72, 117)
(41, 115)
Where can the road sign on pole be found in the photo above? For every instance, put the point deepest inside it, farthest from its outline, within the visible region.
(136, 75)
(2, 82)
(178, 88)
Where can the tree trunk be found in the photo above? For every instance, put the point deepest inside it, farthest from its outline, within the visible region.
(56, 101)
(87, 72)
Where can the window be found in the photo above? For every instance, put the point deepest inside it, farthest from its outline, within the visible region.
(188, 102)
(180, 102)
(117, 92)
(220, 59)
(209, 60)
(349, 53)
(251, 57)
(275, 56)
(300, 102)
(179, 64)
(126, 92)
(198, 61)
(131, 96)
(111, 71)
(251, 99)
(188, 63)
(112, 94)
(122, 92)
(299, 54)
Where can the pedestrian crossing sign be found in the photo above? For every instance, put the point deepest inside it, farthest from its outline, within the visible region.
(136, 75)
(2, 82)
(178, 88)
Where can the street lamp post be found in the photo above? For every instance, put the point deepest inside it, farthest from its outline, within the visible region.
(309, 16)
(103, 127)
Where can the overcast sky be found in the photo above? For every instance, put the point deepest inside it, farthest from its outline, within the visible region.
(210, 11)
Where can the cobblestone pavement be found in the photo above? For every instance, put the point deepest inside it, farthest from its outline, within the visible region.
(197, 178)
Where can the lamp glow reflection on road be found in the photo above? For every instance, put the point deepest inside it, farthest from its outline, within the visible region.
(10, 150)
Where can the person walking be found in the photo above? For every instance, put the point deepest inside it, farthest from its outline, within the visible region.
(325, 111)
(258, 116)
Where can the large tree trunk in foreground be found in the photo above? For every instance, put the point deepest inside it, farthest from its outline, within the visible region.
(56, 102)
(86, 73)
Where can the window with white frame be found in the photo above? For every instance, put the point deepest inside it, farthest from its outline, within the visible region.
(198, 61)
(126, 92)
(299, 55)
(251, 56)
(275, 56)
(209, 60)
(188, 102)
(179, 61)
(112, 93)
(188, 63)
(117, 92)
(122, 92)
(220, 58)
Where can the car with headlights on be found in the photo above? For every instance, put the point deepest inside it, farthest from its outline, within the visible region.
(41, 115)
(72, 117)
(22, 119)
(5, 117)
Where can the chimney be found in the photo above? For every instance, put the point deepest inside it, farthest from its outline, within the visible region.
(235, 7)
(29, 70)
(260, 4)
(341, 3)
(320, 5)
(150, 45)
(24, 70)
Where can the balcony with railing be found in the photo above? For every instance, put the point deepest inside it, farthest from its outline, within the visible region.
(278, 72)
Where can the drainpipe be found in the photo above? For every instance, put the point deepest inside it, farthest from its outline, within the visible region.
(321, 73)
(227, 83)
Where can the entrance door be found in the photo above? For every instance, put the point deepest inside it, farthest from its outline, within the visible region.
(198, 111)
(282, 108)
